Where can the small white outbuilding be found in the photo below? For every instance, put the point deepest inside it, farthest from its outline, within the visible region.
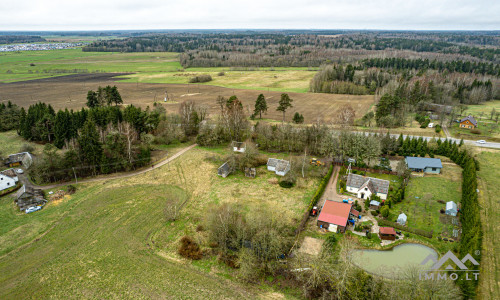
(451, 208)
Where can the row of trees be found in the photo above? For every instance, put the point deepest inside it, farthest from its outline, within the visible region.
(42, 123)
(104, 96)
(419, 63)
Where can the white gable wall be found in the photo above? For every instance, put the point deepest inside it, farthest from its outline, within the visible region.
(7, 182)
(368, 193)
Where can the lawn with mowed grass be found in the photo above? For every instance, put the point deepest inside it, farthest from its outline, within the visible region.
(421, 200)
(489, 189)
(111, 239)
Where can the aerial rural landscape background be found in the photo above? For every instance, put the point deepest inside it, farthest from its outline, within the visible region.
(172, 151)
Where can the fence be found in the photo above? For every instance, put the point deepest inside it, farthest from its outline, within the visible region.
(367, 169)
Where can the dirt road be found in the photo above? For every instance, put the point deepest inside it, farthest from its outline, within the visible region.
(122, 175)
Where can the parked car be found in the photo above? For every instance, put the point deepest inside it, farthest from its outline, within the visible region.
(20, 171)
(33, 209)
(481, 142)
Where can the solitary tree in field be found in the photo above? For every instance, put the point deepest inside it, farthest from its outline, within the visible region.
(284, 104)
(260, 105)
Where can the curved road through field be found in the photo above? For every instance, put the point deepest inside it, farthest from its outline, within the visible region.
(124, 175)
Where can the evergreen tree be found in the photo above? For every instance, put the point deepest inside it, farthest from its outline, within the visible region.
(260, 105)
(92, 100)
(284, 104)
(90, 148)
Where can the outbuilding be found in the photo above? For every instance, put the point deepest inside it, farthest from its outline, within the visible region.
(334, 216)
(402, 218)
(424, 164)
(374, 205)
(8, 179)
(279, 166)
(387, 233)
(24, 158)
(451, 208)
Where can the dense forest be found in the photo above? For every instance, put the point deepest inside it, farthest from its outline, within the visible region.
(11, 39)
(290, 49)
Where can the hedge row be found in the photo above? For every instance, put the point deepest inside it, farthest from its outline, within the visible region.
(315, 199)
(321, 189)
(427, 234)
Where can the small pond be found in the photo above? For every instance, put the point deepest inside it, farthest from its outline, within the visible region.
(387, 263)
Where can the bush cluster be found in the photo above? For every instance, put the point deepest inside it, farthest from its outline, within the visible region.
(190, 249)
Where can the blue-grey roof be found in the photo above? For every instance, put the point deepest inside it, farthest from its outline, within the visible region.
(423, 162)
(470, 118)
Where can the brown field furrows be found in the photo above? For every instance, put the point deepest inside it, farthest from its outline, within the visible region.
(71, 91)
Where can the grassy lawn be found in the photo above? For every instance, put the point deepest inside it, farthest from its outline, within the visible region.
(10, 143)
(111, 238)
(489, 131)
(421, 200)
(482, 110)
(489, 189)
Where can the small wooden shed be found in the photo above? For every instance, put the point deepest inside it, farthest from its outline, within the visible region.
(224, 170)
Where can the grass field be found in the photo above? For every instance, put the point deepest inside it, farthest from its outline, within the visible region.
(489, 189)
(482, 110)
(153, 67)
(423, 212)
(11, 143)
(110, 239)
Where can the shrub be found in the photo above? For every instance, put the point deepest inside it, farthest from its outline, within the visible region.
(71, 189)
(189, 249)
(475, 131)
(368, 235)
(27, 148)
(441, 211)
(438, 128)
(331, 240)
(439, 238)
(407, 234)
(286, 183)
(200, 78)
(221, 73)
(199, 228)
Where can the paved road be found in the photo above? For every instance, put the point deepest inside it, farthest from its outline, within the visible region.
(428, 138)
(123, 175)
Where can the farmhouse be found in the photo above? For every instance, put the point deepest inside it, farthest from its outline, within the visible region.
(334, 216)
(279, 166)
(451, 208)
(8, 179)
(28, 196)
(468, 122)
(23, 158)
(364, 187)
(424, 164)
(402, 218)
(387, 233)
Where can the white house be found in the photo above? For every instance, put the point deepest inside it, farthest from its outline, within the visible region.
(364, 187)
(8, 178)
(451, 208)
(402, 218)
(279, 166)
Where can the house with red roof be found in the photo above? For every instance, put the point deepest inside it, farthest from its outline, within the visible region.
(334, 216)
(387, 233)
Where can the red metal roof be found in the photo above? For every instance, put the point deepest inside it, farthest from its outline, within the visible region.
(387, 230)
(335, 213)
(355, 212)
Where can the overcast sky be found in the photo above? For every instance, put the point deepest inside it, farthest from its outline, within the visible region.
(256, 14)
